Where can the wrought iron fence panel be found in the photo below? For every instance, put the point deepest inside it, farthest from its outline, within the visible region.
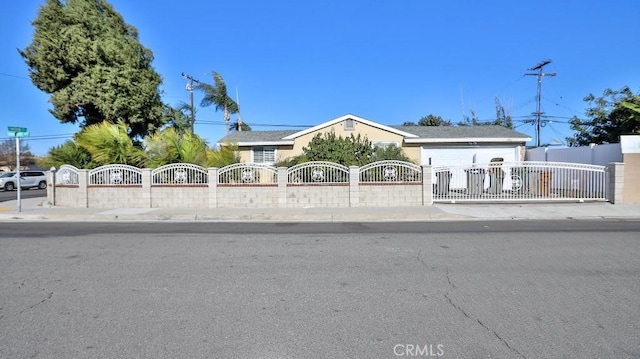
(318, 172)
(520, 181)
(390, 172)
(67, 175)
(248, 174)
(179, 174)
(115, 175)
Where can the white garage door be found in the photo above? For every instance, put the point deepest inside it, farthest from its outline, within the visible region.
(466, 155)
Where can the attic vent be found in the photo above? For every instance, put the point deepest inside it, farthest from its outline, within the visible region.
(349, 124)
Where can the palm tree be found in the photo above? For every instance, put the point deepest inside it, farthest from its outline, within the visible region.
(170, 146)
(110, 143)
(177, 117)
(68, 153)
(217, 95)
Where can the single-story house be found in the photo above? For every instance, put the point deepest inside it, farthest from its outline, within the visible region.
(425, 145)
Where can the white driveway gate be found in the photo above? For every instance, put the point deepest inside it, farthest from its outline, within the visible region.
(520, 182)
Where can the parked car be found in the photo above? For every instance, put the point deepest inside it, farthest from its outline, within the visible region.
(28, 179)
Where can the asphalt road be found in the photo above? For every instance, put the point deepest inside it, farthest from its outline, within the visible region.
(516, 289)
(12, 195)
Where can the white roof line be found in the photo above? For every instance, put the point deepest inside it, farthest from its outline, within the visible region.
(354, 117)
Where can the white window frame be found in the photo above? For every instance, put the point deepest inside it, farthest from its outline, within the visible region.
(264, 149)
(384, 144)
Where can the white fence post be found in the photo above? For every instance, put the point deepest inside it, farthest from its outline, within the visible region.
(83, 190)
(51, 186)
(427, 186)
(146, 188)
(212, 174)
(354, 186)
(282, 187)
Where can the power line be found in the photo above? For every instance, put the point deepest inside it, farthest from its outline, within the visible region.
(540, 74)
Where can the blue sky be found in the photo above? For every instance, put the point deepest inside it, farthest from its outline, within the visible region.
(299, 63)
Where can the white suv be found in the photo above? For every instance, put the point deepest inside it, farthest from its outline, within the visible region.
(28, 179)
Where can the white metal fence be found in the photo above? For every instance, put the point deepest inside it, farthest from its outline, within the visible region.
(390, 172)
(182, 174)
(520, 181)
(67, 175)
(318, 172)
(115, 175)
(248, 174)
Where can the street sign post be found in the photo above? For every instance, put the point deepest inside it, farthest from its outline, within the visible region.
(18, 132)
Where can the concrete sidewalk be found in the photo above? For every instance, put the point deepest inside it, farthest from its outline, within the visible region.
(34, 209)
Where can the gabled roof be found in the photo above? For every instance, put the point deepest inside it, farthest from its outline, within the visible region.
(411, 134)
(355, 118)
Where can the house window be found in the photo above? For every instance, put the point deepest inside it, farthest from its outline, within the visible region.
(264, 155)
(384, 144)
(349, 124)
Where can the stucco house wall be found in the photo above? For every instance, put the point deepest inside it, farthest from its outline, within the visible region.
(412, 139)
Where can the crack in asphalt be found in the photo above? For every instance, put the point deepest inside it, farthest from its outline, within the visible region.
(477, 320)
(37, 304)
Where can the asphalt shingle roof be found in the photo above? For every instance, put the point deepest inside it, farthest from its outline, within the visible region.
(253, 136)
(487, 131)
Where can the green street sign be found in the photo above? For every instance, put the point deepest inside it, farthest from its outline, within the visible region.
(17, 131)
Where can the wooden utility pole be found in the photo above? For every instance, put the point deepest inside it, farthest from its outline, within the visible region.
(190, 89)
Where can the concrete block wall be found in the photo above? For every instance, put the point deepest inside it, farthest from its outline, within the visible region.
(213, 194)
(389, 195)
(116, 197)
(66, 196)
(615, 172)
(179, 196)
(318, 195)
(259, 196)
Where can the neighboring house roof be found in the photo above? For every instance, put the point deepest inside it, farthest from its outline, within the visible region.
(255, 138)
(485, 133)
(411, 134)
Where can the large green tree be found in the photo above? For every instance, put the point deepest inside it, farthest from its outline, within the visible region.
(8, 154)
(613, 114)
(91, 63)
